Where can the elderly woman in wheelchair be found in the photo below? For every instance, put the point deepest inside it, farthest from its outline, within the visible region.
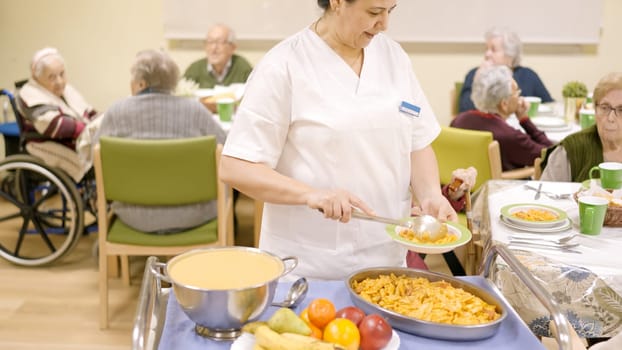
(45, 188)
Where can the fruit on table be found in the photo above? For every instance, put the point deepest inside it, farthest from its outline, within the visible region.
(352, 313)
(250, 327)
(321, 311)
(344, 332)
(286, 320)
(315, 331)
(375, 331)
(268, 339)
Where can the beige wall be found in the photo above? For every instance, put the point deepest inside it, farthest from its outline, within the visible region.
(100, 38)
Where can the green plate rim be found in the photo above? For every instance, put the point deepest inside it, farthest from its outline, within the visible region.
(465, 236)
(505, 211)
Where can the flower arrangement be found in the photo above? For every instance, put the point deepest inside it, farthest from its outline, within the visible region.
(574, 89)
(186, 87)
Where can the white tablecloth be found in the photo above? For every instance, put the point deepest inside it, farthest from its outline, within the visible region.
(601, 254)
(587, 286)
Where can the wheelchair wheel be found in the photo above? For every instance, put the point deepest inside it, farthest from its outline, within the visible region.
(41, 212)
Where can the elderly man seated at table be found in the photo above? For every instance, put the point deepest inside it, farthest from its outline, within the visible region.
(497, 97)
(55, 114)
(503, 47)
(573, 158)
(221, 66)
(154, 113)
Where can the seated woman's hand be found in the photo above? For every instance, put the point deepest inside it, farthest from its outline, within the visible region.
(523, 107)
(462, 180)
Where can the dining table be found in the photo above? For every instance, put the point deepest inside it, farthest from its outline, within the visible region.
(585, 281)
(160, 322)
(550, 119)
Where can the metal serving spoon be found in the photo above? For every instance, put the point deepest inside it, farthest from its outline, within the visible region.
(418, 224)
(297, 292)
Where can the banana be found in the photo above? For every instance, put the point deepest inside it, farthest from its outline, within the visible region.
(257, 347)
(250, 327)
(271, 340)
(301, 338)
(312, 343)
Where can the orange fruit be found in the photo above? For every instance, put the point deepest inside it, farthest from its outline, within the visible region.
(343, 332)
(315, 332)
(304, 314)
(321, 311)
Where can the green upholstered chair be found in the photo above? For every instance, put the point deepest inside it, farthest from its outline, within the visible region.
(461, 148)
(156, 172)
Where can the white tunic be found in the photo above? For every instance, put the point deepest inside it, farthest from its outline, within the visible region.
(310, 117)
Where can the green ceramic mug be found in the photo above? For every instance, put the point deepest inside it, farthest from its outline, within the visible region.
(534, 104)
(592, 210)
(586, 118)
(225, 108)
(610, 175)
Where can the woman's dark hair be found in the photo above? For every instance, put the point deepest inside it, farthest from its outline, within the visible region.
(325, 4)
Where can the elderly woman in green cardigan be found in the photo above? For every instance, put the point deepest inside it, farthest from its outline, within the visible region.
(575, 155)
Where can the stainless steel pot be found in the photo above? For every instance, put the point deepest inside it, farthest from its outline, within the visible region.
(221, 313)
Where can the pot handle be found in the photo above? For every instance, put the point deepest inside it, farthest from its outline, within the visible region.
(294, 263)
(156, 267)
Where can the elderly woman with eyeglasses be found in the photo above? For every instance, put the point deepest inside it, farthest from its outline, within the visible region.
(503, 47)
(575, 155)
(497, 97)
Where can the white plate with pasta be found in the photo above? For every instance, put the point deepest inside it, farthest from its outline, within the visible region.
(457, 235)
(534, 215)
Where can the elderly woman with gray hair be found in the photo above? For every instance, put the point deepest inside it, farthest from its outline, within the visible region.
(55, 114)
(504, 47)
(497, 96)
(153, 112)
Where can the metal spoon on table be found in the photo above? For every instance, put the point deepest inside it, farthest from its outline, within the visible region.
(297, 292)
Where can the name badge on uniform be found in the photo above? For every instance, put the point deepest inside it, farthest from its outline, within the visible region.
(410, 109)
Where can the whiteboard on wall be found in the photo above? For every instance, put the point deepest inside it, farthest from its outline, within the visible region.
(428, 21)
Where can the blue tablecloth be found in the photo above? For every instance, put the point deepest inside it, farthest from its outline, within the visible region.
(179, 331)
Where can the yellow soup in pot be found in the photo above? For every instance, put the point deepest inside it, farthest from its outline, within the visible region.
(225, 269)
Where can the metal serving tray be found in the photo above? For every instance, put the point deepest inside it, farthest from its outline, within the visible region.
(422, 327)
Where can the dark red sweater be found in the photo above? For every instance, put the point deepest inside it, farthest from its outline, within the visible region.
(518, 149)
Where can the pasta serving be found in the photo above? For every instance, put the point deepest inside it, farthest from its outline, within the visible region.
(535, 215)
(419, 298)
(425, 238)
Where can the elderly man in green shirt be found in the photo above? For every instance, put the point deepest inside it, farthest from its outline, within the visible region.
(220, 66)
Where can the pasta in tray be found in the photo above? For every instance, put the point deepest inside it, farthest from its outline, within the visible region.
(429, 301)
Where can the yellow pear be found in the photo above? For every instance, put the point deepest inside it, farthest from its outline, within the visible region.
(286, 320)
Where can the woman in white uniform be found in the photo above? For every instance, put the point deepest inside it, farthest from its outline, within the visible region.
(334, 118)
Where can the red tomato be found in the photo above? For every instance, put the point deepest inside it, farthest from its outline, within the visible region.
(352, 313)
(375, 331)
